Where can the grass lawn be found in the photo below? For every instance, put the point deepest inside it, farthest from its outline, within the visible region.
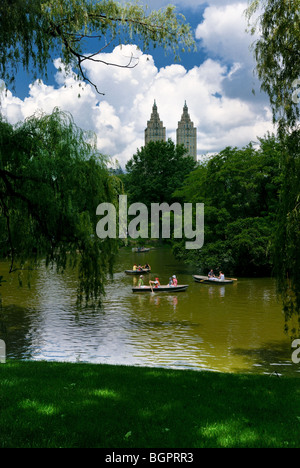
(46, 404)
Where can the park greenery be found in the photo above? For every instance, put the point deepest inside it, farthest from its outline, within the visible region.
(239, 188)
(278, 68)
(80, 405)
(155, 171)
(52, 177)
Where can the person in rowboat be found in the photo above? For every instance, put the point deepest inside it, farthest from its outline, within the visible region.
(141, 281)
(147, 267)
(221, 276)
(211, 276)
(174, 281)
(155, 283)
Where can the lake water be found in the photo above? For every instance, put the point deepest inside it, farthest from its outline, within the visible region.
(234, 328)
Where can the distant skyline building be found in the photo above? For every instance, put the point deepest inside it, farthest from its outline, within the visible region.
(186, 133)
(155, 130)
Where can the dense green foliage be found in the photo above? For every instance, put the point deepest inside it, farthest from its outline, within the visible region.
(48, 405)
(51, 177)
(278, 67)
(239, 188)
(287, 240)
(156, 171)
(277, 54)
(51, 180)
(33, 30)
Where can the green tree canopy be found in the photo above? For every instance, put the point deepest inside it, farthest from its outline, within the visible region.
(51, 181)
(77, 30)
(156, 171)
(239, 188)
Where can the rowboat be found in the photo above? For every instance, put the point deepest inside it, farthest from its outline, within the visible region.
(140, 249)
(137, 272)
(206, 280)
(169, 289)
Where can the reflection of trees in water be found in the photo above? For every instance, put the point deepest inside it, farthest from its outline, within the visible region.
(15, 325)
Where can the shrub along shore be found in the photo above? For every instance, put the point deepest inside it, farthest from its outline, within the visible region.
(51, 404)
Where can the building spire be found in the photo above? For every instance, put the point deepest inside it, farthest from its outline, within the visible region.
(187, 133)
(155, 130)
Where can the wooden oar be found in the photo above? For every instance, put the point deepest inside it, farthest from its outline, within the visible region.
(199, 280)
(232, 279)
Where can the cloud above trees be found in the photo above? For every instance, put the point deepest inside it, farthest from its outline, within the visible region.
(218, 91)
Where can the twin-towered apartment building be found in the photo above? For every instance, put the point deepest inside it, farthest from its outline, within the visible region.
(186, 133)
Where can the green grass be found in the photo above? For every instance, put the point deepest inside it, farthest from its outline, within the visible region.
(86, 405)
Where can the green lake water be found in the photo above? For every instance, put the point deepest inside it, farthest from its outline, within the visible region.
(234, 328)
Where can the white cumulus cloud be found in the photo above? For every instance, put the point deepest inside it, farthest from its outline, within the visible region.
(217, 91)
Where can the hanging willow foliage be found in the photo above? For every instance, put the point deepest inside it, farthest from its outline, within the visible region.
(277, 54)
(51, 181)
(33, 30)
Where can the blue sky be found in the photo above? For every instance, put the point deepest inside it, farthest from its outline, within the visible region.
(193, 15)
(216, 81)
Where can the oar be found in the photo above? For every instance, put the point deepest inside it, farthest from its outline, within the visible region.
(198, 280)
(232, 279)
